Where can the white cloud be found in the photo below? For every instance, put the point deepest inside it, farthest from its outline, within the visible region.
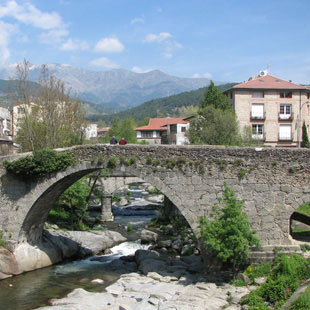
(162, 36)
(53, 36)
(109, 45)
(206, 75)
(104, 62)
(139, 70)
(5, 32)
(72, 45)
(30, 15)
(137, 20)
(171, 46)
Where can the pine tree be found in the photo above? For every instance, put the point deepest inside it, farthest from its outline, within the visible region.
(305, 139)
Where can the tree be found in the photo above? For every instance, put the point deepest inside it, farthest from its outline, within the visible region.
(51, 117)
(214, 97)
(72, 207)
(227, 234)
(122, 128)
(214, 126)
(305, 139)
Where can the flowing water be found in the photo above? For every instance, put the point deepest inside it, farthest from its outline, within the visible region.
(33, 289)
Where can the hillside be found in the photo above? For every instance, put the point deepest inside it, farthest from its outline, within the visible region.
(168, 106)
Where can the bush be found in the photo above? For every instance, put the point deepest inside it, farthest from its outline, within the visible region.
(42, 162)
(112, 162)
(71, 209)
(228, 235)
(284, 277)
(261, 270)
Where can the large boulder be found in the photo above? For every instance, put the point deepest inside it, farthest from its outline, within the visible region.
(148, 236)
(142, 255)
(8, 264)
(92, 242)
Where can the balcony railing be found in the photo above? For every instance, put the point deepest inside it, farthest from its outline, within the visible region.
(286, 117)
(259, 136)
(285, 137)
(255, 117)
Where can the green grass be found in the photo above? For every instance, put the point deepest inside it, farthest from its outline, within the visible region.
(304, 209)
(303, 302)
(284, 276)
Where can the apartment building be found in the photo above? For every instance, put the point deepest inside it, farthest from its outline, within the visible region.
(273, 109)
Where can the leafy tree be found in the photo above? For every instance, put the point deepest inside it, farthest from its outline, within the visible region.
(227, 234)
(305, 139)
(214, 126)
(214, 97)
(122, 128)
(51, 117)
(72, 206)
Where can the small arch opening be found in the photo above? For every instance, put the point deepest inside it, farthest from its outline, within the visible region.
(300, 223)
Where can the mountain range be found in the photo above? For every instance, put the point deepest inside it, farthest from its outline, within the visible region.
(117, 89)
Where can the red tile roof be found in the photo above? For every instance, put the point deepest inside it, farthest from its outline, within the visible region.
(161, 123)
(269, 82)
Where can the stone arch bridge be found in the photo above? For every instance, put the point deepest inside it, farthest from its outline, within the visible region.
(271, 182)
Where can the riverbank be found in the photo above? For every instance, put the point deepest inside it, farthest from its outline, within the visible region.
(155, 282)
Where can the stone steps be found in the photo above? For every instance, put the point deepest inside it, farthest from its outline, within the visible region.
(268, 253)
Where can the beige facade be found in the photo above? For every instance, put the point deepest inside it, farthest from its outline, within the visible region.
(274, 116)
(19, 112)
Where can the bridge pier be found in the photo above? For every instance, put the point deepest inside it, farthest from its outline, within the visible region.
(106, 210)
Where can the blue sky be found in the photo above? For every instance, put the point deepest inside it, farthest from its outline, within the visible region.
(226, 40)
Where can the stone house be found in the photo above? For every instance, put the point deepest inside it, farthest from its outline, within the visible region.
(273, 109)
(168, 130)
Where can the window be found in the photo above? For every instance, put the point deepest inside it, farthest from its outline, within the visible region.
(285, 111)
(258, 94)
(285, 132)
(147, 134)
(183, 129)
(21, 110)
(286, 94)
(231, 95)
(257, 111)
(308, 95)
(257, 131)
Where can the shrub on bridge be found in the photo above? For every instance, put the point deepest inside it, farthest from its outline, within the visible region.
(40, 163)
(227, 234)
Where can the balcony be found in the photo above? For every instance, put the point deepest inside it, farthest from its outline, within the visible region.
(286, 117)
(257, 117)
(258, 136)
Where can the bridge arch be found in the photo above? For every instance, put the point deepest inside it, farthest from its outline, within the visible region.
(37, 203)
(273, 183)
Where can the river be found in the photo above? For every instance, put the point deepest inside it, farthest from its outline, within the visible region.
(33, 289)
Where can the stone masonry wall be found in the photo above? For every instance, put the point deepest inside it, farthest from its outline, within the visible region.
(272, 183)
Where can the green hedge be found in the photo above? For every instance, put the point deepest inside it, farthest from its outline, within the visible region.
(42, 162)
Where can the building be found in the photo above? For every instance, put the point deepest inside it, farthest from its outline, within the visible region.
(101, 132)
(91, 131)
(272, 108)
(164, 131)
(5, 124)
(19, 112)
